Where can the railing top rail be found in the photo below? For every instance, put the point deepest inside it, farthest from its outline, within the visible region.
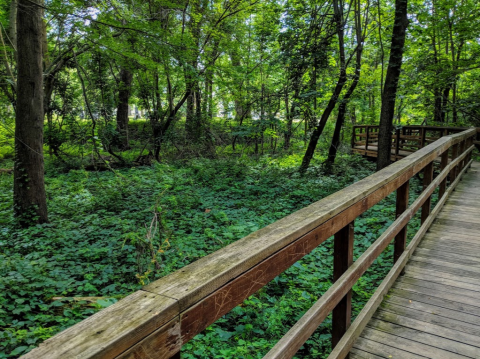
(163, 313)
(419, 127)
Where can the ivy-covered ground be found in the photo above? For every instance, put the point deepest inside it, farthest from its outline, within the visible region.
(112, 232)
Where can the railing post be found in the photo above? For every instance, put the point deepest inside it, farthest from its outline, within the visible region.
(469, 144)
(423, 134)
(463, 147)
(397, 144)
(402, 205)
(342, 259)
(443, 184)
(353, 137)
(427, 179)
(367, 136)
(453, 172)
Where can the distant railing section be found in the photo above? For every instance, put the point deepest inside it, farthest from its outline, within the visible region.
(405, 140)
(156, 321)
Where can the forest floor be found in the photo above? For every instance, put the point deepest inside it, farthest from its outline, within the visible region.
(110, 233)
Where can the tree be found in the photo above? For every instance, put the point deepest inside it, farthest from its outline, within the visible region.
(391, 82)
(342, 78)
(125, 88)
(30, 205)
(342, 109)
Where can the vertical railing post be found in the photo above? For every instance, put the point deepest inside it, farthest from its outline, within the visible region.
(443, 184)
(367, 136)
(422, 140)
(463, 147)
(453, 172)
(469, 144)
(353, 137)
(397, 144)
(342, 259)
(427, 179)
(402, 205)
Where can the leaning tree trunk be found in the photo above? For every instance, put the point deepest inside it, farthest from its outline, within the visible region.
(338, 11)
(126, 78)
(391, 82)
(30, 205)
(342, 109)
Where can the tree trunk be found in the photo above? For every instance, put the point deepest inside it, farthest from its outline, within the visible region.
(445, 95)
(391, 83)
(125, 87)
(199, 125)
(342, 109)
(190, 110)
(12, 28)
(287, 117)
(437, 107)
(338, 11)
(291, 114)
(30, 205)
(160, 128)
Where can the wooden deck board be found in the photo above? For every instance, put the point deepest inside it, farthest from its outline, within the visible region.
(433, 309)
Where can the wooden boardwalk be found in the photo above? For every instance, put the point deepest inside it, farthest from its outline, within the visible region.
(433, 309)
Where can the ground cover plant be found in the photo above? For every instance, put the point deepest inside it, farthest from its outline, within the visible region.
(112, 232)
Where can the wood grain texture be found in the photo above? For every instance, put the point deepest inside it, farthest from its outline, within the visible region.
(409, 345)
(111, 331)
(400, 207)
(342, 260)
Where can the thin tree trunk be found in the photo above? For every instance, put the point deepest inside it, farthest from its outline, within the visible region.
(338, 11)
(382, 51)
(199, 125)
(391, 82)
(437, 104)
(445, 95)
(30, 205)
(342, 109)
(288, 115)
(161, 127)
(125, 87)
(190, 110)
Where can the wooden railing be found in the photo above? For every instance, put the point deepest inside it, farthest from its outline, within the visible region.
(156, 321)
(405, 140)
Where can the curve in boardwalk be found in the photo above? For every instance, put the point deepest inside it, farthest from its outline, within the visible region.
(433, 309)
(405, 141)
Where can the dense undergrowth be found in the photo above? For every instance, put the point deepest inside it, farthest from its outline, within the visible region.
(109, 233)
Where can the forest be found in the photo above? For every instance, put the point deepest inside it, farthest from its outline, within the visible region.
(139, 136)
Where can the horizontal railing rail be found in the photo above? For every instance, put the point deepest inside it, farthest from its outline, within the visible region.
(158, 319)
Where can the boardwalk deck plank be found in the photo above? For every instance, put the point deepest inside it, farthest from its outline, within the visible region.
(441, 339)
(383, 351)
(408, 345)
(424, 312)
